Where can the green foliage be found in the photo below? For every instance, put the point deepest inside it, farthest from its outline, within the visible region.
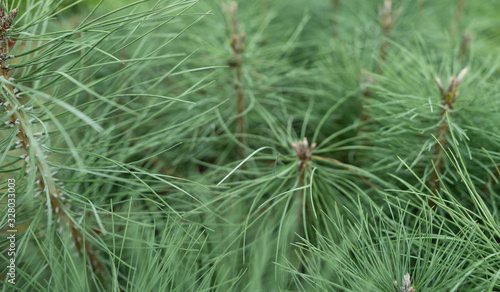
(200, 145)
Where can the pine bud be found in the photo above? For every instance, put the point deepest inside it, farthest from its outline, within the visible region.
(13, 13)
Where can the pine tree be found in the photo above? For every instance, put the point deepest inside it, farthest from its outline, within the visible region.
(216, 145)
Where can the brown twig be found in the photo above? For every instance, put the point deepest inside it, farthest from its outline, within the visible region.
(448, 98)
(44, 177)
(304, 153)
(464, 45)
(366, 81)
(458, 15)
(387, 19)
(238, 46)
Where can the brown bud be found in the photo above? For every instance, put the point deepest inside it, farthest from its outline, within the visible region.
(306, 143)
(234, 40)
(13, 13)
(440, 85)
(460, 76)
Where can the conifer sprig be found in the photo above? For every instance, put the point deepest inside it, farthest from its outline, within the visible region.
(153, 166)
(36, 156)
(448, 98)
(388, 17)
(238, 47)
(465, 44)
(335, 10)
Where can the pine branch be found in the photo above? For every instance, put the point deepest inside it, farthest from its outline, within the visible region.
(238, 46)
(448, 98)
(304, 153)
(387, 19)
(20, 119)
(464, 45)
(458, 15)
